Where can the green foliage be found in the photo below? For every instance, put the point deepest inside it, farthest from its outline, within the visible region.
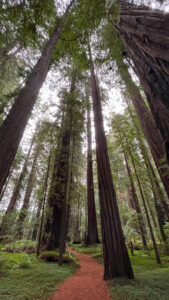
(114, 13)
(2, 263)
(93, 249)
(16, 260)
(20, 246)
(37, 282)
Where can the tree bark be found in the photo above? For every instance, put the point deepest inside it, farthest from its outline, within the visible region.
(92, 233)
(13, 127)
(145, 36)
(157, 192)
(116, 259)
(57, 191)
(44, 201)
(150, 131)
(15, 194)
(136, 204)
(28, 192)
(146, 211)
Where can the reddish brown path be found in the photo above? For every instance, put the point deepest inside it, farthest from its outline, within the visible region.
(86, 284)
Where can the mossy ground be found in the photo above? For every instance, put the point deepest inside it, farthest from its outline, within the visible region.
(25, 278)
(151, 280)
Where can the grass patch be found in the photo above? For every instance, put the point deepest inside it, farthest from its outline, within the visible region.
(37, 281)
(151, 281)
(93, 249)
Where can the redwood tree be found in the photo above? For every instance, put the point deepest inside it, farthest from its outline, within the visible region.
(92, 233)
(153, 136)
(144, 32)
(116, 259)
(13, 127)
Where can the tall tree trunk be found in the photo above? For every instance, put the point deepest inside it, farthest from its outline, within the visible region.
(146, 211)
(57, 192)
(28, 192)
(18, 186)
(151, 132)
(92, 233)
(136, 203)
(152, 177)
(116, 259)
(145, 35)
(44, 201)
(14, 125)
(15, 194)
(64, 214)
(37, 216)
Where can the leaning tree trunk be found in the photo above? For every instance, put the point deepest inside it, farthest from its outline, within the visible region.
(92, 233)
(136, 203)
(146, 38)
(28, 192)
(157, 192)
(116, 259)
(15, 194)
(146, 211)
(14, 125)
(151, 132)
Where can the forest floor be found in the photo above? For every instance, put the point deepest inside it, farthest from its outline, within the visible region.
(151, 280)
(86, 283)
(26, 278)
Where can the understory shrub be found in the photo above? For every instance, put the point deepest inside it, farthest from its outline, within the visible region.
(20, 246)
(18, 260)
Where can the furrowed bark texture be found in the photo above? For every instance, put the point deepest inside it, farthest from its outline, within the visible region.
(150, 131)
(57, 193)
(92, 233)
(144, 32)
(13, 127)
(116, 259)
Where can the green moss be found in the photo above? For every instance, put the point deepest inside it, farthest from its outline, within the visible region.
(53, 256)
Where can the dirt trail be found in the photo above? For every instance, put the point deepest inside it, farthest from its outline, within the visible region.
(86, 284)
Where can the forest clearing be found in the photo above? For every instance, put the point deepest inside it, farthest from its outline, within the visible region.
(84, 149)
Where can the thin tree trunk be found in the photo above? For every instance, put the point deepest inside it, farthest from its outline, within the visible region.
(64, 215)
(150, 131)
(92, 233)
(44, 201)
(15, 194)
(136, 204)
(28, 192)
(153, 179)
(116, 259)
(17, 188)
(146, 211)
(14, 125)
